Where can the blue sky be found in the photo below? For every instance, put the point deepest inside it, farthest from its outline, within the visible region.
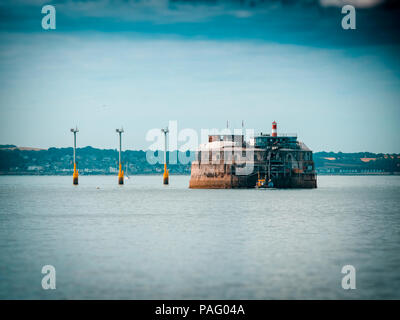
(142, 63)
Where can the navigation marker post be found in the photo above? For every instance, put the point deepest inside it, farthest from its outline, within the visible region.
(75, 174)
(166, 173)
(120, 172)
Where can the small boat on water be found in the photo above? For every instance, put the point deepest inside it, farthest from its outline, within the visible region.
(263, 183)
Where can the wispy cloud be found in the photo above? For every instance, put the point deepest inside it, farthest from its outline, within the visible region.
(306, 22)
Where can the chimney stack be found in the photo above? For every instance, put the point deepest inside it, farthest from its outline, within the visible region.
(274, 131)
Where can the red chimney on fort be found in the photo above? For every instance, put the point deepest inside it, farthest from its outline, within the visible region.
(274, 131)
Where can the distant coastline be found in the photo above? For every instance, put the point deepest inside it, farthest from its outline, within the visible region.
(186, 174)
(92, 161)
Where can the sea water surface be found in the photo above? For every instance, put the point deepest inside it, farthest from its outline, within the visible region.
(144, 240)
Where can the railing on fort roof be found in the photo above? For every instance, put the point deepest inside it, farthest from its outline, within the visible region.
(287, 135)
(279, 135)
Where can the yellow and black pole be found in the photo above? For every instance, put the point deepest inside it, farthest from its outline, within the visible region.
(120, 172)
(75, 174)
(166, 174)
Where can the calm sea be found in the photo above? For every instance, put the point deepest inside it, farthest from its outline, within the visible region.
(144, 240)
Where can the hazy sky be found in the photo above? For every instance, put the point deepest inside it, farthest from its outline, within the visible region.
(142, 63)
